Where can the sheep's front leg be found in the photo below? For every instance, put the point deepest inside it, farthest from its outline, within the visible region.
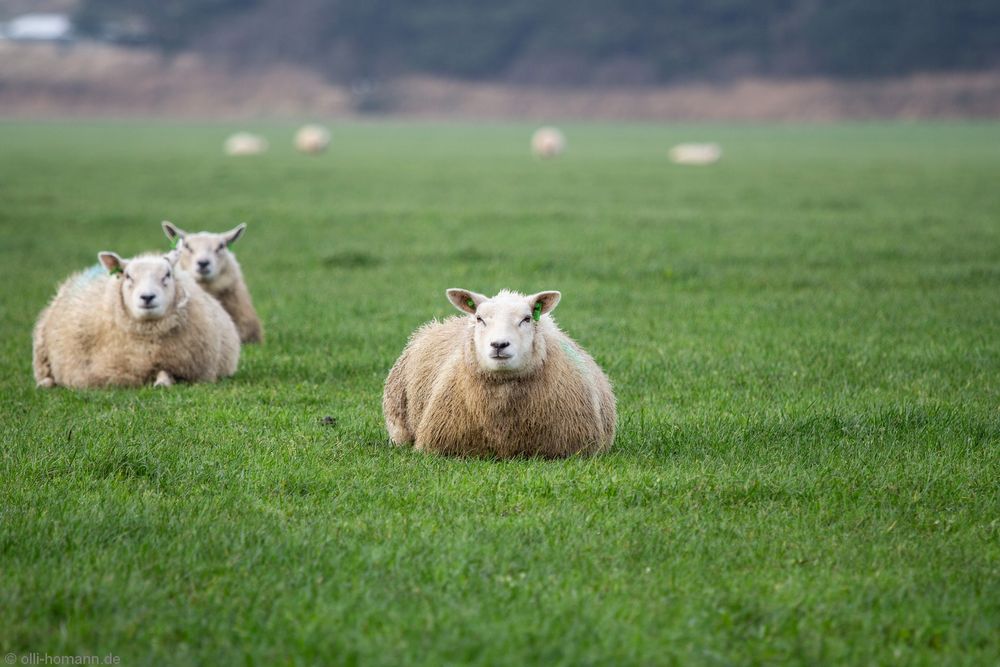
(40, 356)
(394, 406)
(163, 379)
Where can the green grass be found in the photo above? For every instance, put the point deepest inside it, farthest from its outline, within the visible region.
(804, 341)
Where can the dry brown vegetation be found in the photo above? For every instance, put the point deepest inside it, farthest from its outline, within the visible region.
(89, 79)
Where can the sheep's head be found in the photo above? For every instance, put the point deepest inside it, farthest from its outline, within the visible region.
(147, 283)
(204, 255)
(506, 325)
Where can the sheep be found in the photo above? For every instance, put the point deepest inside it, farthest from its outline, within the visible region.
(312, 139)
(695, 154)
(131, 322)
(548, 142)
(504, 381)
(244, 143)
(214, 266)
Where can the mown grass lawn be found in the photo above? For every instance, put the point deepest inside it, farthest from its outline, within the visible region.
(804, 340)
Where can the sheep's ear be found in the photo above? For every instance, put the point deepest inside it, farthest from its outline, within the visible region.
(112, 262)
(464, 300)
(172, 231)
(543, 302)
(173, 256)
(234, 233)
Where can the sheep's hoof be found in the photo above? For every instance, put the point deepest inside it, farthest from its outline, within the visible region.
(163, 379)
(46, 383)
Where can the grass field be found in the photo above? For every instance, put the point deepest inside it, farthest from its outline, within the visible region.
(804, 340)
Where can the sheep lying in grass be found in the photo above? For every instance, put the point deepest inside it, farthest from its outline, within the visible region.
(312, 139)
(548, 142)
(695, 154)
(245, 143)
(138, 321)
(208, 258)
(504, 381)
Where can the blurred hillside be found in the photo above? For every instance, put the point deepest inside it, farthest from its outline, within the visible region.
(92, 79)
(568, 42)
(801, 60)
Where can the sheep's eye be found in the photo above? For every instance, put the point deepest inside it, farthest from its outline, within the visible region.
(128, 276)
(526, 320)
(480, 320)
(222, 246)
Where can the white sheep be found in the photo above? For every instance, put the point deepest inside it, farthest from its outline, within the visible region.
(695, 154)
(548, 142)
(208, 258)
(312, 139)
(132, 322)
(245, 143)
(503, 381)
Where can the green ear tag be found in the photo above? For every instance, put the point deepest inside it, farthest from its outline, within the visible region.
(537, 313)
(115, 270)
(177, 243)
(471, 304)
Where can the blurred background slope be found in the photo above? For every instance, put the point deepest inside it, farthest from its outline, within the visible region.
(669, 59)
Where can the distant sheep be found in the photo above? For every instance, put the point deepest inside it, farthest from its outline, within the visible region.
(131, 323)
(695, 154)
(548, 142)
(244, 143)
(312, 139)
(208, 258)
(503, 382)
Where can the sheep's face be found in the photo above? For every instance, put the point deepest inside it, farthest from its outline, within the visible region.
(505, 326)
(204, 255)
(148, 286)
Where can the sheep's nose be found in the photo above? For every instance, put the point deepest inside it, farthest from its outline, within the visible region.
(499, 345)
(147, 298)
(202, 263)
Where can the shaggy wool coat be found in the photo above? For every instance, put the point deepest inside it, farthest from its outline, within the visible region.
(231, 291)
(86, 338)
(439, 399)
